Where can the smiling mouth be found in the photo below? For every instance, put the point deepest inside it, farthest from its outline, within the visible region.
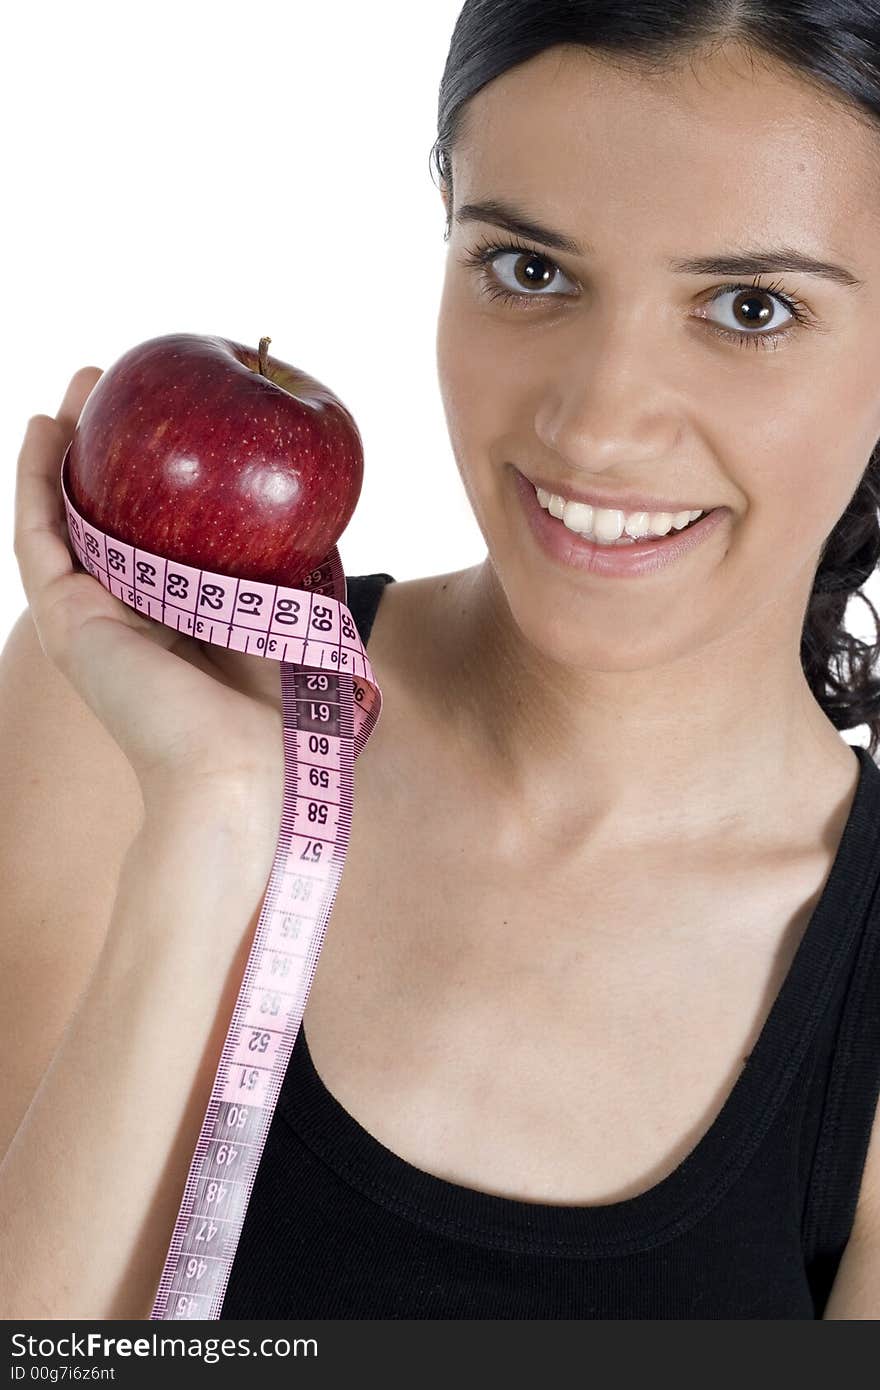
(612, 526)
(638, 540)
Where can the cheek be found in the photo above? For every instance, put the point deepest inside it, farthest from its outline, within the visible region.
(486, 376)
(799, 486)
(793, 444)
(793, 497)
(467, 401)
(453, 369)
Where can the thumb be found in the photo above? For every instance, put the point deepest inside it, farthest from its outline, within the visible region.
(79, 389)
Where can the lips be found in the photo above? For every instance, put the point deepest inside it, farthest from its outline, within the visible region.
(633, 558)
(625, 538)
(632, 502)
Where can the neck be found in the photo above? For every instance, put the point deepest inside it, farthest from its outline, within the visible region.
(725, 741)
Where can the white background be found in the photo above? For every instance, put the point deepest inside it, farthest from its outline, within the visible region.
(205, 168)
(211, 168)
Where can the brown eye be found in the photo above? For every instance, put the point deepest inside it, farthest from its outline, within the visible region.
(532, 272)
(516, 273)
(754, 307)
(521, 276)
(753, 310)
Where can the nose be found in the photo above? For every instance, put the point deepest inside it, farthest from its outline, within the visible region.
(609, 407)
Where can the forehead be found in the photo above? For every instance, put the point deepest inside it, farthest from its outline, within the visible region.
(724, 147)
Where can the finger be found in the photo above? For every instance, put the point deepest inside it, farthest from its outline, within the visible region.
(79, 389)
(40, 549)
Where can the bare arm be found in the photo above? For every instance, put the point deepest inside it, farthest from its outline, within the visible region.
(91, 1185)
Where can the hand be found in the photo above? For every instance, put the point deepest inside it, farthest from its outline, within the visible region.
(157, 693)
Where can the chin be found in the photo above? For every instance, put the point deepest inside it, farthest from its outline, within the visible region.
(570, 629)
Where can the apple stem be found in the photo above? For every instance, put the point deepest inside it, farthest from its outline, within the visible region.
(264, 343)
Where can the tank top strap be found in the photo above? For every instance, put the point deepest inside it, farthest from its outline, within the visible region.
(363, 594)
(848, 1110)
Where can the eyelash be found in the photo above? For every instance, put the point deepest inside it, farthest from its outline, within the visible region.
(483, 254)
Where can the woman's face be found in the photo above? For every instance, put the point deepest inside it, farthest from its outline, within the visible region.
(607, 374)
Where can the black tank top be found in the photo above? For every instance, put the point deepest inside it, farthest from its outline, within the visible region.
(752, 1224)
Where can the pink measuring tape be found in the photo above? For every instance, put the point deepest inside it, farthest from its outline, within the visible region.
(331, 706)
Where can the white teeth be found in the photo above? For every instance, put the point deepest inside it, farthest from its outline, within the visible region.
(606, 524)
(639, 524)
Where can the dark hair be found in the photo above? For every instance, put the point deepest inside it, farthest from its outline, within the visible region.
(835, 45)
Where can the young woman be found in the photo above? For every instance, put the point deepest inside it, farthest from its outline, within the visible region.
(594, 1032)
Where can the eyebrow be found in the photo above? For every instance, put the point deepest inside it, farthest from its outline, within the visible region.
(757, 262)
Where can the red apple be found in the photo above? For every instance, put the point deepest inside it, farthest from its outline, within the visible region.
(216, 455)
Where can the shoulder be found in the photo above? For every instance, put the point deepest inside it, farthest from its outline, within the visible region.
(856, 1290)
(411, 625)
(413, 647)
(868, 1210)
